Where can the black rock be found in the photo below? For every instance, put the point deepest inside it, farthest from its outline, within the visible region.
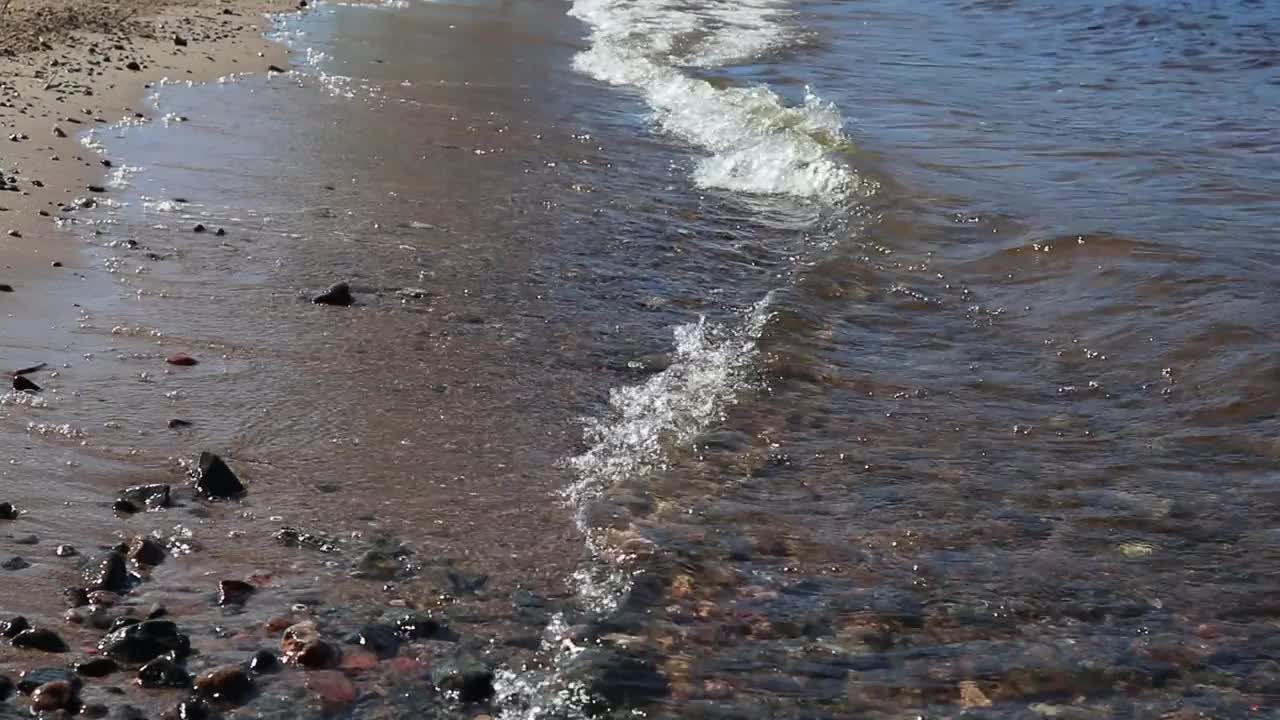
(14, 563)
(176, 423)
(133, 65)
(470, 679)
(107, 572)
(199, 228)
(13, 626)
(40, 639)
(122, 622)
(145, 641)
(147, 496)
(34, 678)
(337, 294)
(146, 551)
(263, 662)
(66, 551)
(95, 188)
(6, 287)
(179, 41)
(616, 679)
(157, 611)
(8, 511)
(96, 668)
(6, 687)
(417, 626)
(220, 232)
(380, 639)
(23, 384)
(75, 596)
(225, 683)
(234, 592)
(163, 673)
(277, 68)
(215, 479)
(124, 506)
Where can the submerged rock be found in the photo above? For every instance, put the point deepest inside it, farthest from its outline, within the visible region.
(234, 592)
(14, 625)
(35, 677)
(193, 709)
(469, 679)
(263, 662)
(215, 479)
(381, 639)
(107, 572)
(163, 673)
(303, 645)
(337, 294)
(23, 384)
(66, 551)
(52, 696)
(151, 497)
(225, 683)
(8, 512)
(14, 564)
(40, 639)
(332, 687)
(146, 551)
(144, 641)
(181, 359)
(6, 687)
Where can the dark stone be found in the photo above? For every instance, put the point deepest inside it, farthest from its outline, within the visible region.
(14, 563)
(95, 188)
(469, 679)
(26, 540)
(14, 625)
(133, 65)
(66, 551)
(179, 41)
(415, 626)
(157, 611)
(124, 506)
(376, 565)
(152, 496)
(215, 479)
(226, 683)
(96, 668)
(317, 655)
(234, 592)
(175, 423)
(95, 710)
(221, 232)
(163, 673)
(6, 287)
(23, 384)
(277, 68)
(615, 678)
(40, 639)
(338, 294)
(199, 228)
(8, 512)
(35, 677)
(380, 639)
(6, 687)
(122, 622)
(108, 572)
(145, 641)
(146, 551)
(264, 661)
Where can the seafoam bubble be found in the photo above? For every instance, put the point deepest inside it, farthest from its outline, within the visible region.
(755, 142)
(56, 430)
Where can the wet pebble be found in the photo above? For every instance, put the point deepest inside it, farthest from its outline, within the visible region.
(181, 359)
(8, 512)
(146, 551)
(151, 497)
(189, 710)
(26, 540)
(468, 678)
(338, 294)
(66, 551)
(107, 572)
(14, 625)
(263, 662)
(40, 639)
(55, 695)
(24, 384)
(234, 592)
(225, 683)
(144, 641)
(14, 564)
(379, 638)
(163, 672)
(6, 687)
(215, 479)
(303, 645)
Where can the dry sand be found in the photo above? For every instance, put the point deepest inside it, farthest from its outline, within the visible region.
(66, 65)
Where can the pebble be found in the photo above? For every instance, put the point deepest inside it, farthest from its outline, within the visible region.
(181, 359)
(40, 639)
(107, 572)
(144, 641)
(215, 479)
(227, 683)
(190, 710)
(14, 564)
(380, 639)
(52, 696)
(337, 294)
(26, 540)
(234, 592)
(66, 551)
(163, 673)
(146, 551)
(331, 686)
(471, 680)
(303, 645)
(23, 384)
(263, 662)
(14, 625)
(8, 512)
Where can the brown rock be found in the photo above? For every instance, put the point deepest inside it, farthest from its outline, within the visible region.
(228, 683)
(53, 696)
(332, 687)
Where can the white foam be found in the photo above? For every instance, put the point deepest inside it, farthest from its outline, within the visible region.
(754, 141)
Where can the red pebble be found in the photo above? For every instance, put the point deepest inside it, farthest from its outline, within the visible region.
(332, 687)
(181, 359)
(1207, 631)
(277, 625)
(406, 666)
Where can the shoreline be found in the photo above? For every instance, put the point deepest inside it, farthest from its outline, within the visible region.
(53, 95)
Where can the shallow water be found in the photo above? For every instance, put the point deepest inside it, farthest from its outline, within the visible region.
(819, 359)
